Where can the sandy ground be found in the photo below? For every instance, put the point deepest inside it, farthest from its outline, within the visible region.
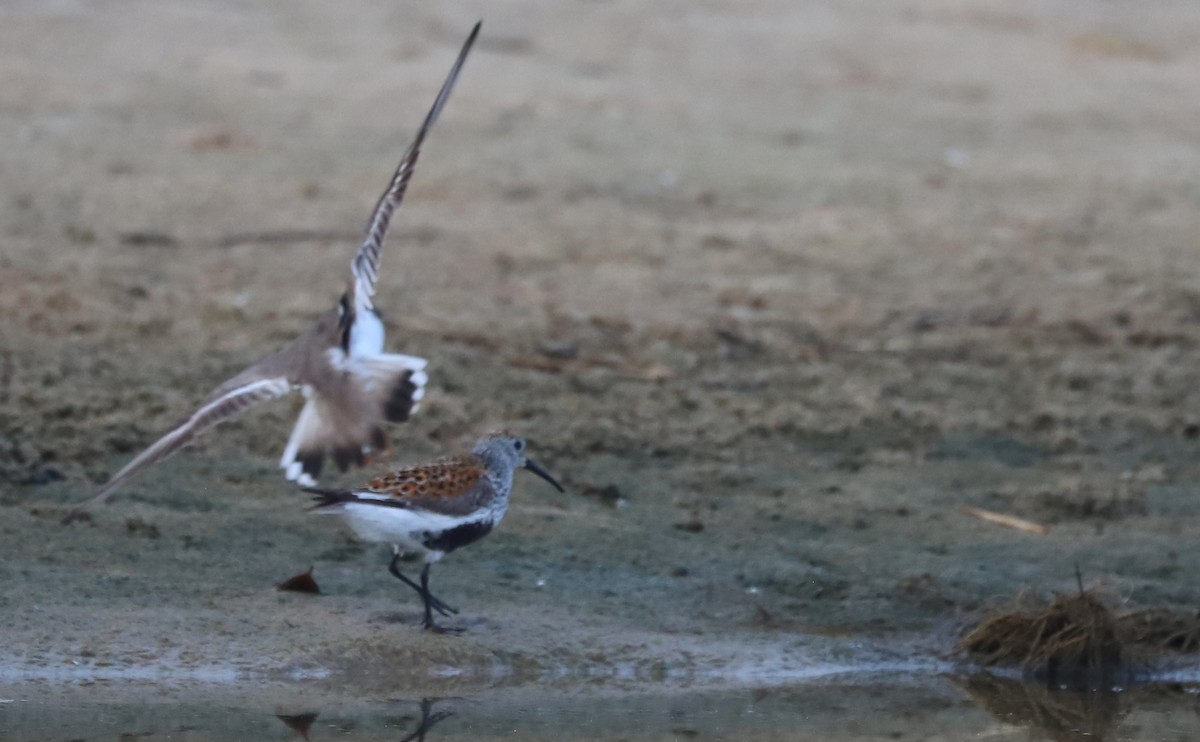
(774, 288)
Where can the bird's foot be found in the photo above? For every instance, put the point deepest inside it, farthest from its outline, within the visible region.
(429, 625)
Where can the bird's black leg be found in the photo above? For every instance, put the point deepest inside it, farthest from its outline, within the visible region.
(425, 595)
(438, 605)
(428, 623)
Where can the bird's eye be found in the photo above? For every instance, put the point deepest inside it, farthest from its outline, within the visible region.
(519, 445)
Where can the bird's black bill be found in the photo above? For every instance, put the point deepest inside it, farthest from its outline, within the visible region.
(543, 474)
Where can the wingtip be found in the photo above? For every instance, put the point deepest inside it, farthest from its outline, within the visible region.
(82, 511)
(470, 42)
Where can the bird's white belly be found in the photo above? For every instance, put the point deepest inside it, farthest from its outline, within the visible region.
(399, 526)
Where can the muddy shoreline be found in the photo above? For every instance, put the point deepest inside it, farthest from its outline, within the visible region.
(773, 319)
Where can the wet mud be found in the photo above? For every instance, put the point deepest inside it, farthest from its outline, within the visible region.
(775, 290)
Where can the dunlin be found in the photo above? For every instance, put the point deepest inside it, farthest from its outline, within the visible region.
(350, 384)
(435, 508)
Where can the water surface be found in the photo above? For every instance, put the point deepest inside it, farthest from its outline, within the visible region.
(940, 708)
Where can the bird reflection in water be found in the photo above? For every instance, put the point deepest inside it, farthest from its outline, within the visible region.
(301, 724)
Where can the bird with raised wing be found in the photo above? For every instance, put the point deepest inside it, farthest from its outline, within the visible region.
(350, 384)
(433, 509)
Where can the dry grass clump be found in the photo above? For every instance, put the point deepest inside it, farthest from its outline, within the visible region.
(1076, 640)
(1161, 629)
(1072, 640)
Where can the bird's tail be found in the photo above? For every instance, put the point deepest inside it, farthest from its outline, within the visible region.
(328, 500)
(389, 387)
(396, 381)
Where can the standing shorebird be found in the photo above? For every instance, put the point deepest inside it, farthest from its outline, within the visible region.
(351, 385)
(434, 508)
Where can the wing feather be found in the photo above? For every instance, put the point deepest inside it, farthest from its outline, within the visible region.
(364, 267)
(295, 468)
(441, 480)
(453, 487)
(214, 410)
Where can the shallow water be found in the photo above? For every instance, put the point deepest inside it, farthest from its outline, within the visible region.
(941, 708)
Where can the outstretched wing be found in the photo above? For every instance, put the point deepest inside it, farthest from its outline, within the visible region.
(364, 268)
(226, 401)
